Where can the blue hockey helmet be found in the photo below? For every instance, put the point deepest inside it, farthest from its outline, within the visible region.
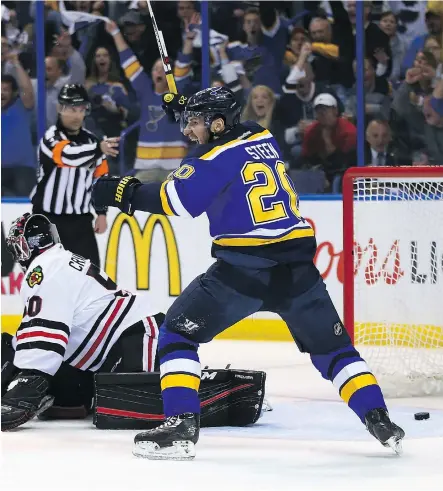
(212, 103)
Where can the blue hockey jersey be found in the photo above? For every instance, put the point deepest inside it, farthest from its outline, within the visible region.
(240, 182)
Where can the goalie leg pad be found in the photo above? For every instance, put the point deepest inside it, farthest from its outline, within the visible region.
(134, 401)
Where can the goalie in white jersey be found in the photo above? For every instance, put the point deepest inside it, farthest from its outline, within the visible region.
(74, 314)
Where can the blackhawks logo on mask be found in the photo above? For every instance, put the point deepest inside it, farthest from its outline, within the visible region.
(35, 277)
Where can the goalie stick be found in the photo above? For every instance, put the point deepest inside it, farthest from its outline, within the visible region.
(163, 53)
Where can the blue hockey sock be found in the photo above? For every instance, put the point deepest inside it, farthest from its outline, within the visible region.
(179, 373)
(353, 379)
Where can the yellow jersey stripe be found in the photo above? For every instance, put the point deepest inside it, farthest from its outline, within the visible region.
(180, 380)
(164, 199)
(232, 143)
(355, 384)
(259, 241)
(132, 68)
(161, 152)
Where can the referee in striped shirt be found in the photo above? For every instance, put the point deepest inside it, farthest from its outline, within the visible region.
(70, 158)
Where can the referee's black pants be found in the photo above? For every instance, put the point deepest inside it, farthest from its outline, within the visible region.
(76, 234)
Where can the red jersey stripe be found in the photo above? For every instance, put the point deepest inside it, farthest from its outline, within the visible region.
(101, 335)
(33, 334)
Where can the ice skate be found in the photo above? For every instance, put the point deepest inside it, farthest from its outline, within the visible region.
(175, 439)
(381, 427)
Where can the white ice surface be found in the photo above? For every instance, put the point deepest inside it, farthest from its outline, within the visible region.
(311, 441)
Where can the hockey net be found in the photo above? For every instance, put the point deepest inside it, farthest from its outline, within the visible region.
(393, 260)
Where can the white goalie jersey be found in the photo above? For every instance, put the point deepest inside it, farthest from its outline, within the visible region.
(75, 313)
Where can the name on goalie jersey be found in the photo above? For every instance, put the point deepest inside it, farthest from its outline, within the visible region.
(77, 262)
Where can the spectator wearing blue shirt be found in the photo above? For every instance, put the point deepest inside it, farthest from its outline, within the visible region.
(108, 95)
(434, 25)
(263, 68)
(18, 153)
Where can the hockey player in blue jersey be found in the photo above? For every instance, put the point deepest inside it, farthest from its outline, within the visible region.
(264, 252)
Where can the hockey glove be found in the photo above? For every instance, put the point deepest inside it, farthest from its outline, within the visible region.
(115, 191)
(27, 397)
(173, 105)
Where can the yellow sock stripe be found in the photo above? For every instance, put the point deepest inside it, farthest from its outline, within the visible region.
(164, 199)
(355, 384)
(187, 381)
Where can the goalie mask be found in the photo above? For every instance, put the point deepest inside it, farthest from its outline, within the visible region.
(29, 236)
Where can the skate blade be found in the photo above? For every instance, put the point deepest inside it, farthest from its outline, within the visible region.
(396, 444)
(180, 450)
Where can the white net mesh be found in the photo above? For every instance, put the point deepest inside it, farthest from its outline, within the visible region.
(398, 281)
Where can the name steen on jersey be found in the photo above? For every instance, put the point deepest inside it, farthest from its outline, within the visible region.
(262, 151)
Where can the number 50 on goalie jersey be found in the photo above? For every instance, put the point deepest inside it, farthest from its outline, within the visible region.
(240, 182)
(75, 313)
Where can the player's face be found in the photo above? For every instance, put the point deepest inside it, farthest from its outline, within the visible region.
(72, 117)
(196, 130)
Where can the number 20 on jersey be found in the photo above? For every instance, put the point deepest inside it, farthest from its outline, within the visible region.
(275, 178)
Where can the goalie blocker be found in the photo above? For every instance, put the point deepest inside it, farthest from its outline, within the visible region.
(133, 400)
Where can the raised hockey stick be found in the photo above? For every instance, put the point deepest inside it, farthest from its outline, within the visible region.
(163, 53)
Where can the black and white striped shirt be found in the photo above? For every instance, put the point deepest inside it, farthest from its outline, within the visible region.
(67, 167)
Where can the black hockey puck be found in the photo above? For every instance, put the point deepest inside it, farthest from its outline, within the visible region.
(421, 416)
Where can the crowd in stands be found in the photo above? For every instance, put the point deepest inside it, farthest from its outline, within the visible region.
(292, 64)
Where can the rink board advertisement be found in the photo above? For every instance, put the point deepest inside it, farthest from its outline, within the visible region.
(399, 257)
(158, 257)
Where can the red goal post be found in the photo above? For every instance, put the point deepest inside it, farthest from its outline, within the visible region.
(393, 271)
